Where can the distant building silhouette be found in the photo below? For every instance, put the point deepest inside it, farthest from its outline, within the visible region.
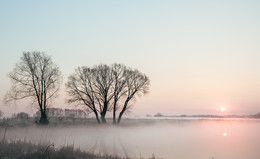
(58, 112)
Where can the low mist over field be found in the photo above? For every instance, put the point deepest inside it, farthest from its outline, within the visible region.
(172, 138)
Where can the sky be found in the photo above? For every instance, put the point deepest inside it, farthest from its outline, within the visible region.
(199, 55)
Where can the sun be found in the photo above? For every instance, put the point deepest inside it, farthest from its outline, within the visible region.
(222, 109)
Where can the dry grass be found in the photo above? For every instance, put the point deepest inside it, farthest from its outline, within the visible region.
(23, 150)
(26, 150)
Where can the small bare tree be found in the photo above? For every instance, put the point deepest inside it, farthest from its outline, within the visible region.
(35, 77)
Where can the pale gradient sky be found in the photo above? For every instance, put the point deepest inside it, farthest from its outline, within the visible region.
(199, 55)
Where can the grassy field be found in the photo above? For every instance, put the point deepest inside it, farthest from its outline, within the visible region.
(23, 150)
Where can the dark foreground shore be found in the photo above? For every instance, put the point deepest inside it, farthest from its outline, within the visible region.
(23, 150)
(26, 150)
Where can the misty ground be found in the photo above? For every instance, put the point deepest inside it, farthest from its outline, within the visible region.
(133, 138)
(25, 147)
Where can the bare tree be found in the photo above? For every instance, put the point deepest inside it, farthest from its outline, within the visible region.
(91, 87)
(103, 87)
(119, 78)
(80, 88)
(137, 84)
(35, 77)
(103, 81)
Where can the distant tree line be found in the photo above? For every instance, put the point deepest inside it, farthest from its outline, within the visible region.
(21, 115)
(100, 89)
(257, 115)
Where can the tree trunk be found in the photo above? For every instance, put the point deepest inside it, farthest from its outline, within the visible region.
(103, 119)
(103, 113)
(114, 112)
(43, 120)
(96, 114)
(114, 117)
(122, 112)
(120, 116)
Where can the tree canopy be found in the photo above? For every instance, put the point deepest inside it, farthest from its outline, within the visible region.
(102, 87)
(35, 77)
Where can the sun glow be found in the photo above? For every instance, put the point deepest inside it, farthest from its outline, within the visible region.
(222, 109)
(224, 134)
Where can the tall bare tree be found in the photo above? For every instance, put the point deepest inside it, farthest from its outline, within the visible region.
(35, 77)
(119, 84)
(137, 84)
(81, 90)
(103, 87)
(91, 87)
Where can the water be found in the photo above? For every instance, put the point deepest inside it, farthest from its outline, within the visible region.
(168, 139)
